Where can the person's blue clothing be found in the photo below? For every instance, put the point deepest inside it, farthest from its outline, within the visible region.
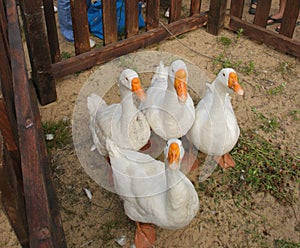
(65, 18)
(95, 17)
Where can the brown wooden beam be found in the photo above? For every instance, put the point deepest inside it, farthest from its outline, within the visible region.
(12, 198)
(109, 17)
(109, 52)
(289, 18)
(152, 14)
(51, 31)
(80, 26)
(39, 51)
(175, 10)
(195, 7)
(41, 226)
(236, 8)
(262, 12)
(279, 42)
(131, 17)
(216, 16)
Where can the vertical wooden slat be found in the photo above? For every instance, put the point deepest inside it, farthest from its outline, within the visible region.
(51, 31)
(175, 10)
(152, 14)
(131, 17)
(3, 25)
(262, 12)
(289, 18)
(216, 16)
(236, 8)
(195, 7)
(38, 48)
(80, 26)
(109, 21)
(12, 198)
(40, 223)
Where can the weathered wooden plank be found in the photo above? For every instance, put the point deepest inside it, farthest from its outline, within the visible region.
(6, 128)
(152, 14)
(175, 10)
(195, 7)
(104, 54)
(80, 26)
(216, 16)
(12, 198)
(3, 25)
(40, 225)
(56, 221)
(236, 8)
(131, 17)
(51, 31)
(289, 18)
(262, 12)
(39, 51)
(279, 42)
(109, 16)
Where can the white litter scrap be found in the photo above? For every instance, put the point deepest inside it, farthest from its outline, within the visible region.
(49, 136)
(121, 240)
(88, 193)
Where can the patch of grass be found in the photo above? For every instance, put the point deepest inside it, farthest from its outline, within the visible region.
(239, 33)
(295, 113)
(285, 244)
(225, 41)
(278, 89)
(267, 124)
(260, 167)
(249, 68)
(61, 132)
(65, 55)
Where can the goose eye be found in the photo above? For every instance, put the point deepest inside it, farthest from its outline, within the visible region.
(223, 74)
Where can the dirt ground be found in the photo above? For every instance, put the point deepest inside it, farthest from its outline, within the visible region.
(258, 222)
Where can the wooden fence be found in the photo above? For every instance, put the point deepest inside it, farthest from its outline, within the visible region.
(27, 191)
(282, 41)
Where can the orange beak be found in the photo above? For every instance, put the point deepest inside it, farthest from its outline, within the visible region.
(234, 85)
(174, 155)
(137, 88)
(181, 85)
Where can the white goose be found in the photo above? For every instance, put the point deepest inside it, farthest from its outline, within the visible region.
(169, 108)
(215, 130)
(122, 122)
(153, 191)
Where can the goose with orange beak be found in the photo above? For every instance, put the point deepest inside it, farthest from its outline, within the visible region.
(121, 122)
(169, 108)
(154, 193)
(215, 130)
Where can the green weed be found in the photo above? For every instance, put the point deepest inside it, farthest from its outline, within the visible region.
(225, 41)
(58, 133)
(295, 113)
(285, 244)
(278, 89)
(65, 55)
(267, 124)
(239, 33)
(260, 167)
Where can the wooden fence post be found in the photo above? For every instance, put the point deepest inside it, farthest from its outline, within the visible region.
(216, 16)
(38, 48)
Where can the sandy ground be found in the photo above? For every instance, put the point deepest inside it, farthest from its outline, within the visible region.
(258, 222)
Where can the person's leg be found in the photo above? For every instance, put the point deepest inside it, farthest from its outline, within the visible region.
(252, 9)
(65, 19)
(276, 18)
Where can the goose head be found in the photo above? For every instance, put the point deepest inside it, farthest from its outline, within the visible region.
(228, 78)
(174, 153)
(130, 80)
(178, 76)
